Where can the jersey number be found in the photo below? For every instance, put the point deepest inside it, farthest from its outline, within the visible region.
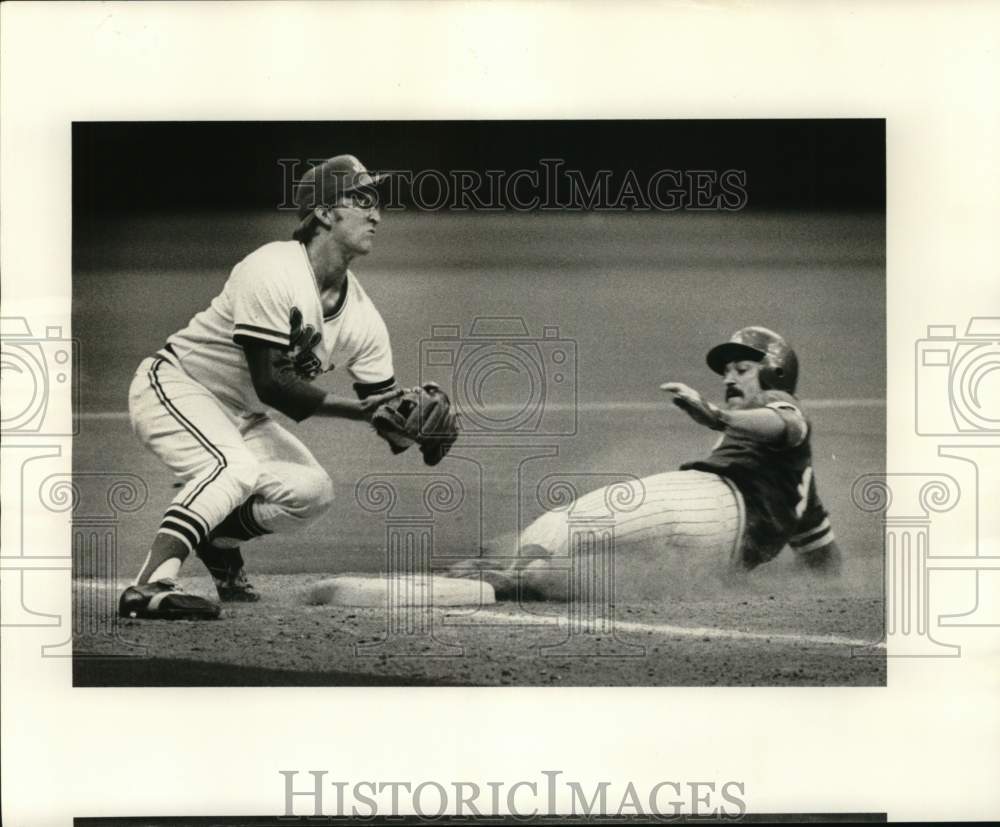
(807, 476)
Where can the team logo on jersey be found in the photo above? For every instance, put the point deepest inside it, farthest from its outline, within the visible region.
(301, 341)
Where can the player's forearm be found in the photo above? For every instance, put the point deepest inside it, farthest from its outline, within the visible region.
(299, 400)
(279, 387)
(760, 424)
(344, 408)
(293, 397)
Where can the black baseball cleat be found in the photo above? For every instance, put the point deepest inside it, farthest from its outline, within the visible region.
(165, 600)
(227, 570)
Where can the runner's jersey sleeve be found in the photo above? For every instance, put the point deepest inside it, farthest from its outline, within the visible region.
(776, 480)
(813, 530)
(790, 411)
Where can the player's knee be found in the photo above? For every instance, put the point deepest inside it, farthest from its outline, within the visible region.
(240, 476)
(311, 494)
(323, 494)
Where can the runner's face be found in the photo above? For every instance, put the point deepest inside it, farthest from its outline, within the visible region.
(742, 382)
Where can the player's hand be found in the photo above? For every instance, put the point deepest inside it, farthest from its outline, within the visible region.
(695, 405)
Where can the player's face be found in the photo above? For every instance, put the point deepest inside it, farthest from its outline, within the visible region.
(742, 383)
(355, 231)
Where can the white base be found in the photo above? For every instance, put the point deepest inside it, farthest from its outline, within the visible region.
(406, 590)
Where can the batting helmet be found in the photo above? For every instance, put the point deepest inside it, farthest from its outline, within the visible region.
(779, 366)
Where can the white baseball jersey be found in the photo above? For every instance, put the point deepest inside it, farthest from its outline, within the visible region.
(263, 299)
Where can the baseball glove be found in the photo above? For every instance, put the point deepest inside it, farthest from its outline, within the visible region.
(420, 415)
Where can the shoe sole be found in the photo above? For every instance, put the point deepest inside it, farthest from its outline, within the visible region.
(177, 607)
(173, 615)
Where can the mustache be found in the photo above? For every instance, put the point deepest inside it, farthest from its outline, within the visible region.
(731, 392)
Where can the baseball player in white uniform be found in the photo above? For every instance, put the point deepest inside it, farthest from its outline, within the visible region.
(290, 311)
(754, 494)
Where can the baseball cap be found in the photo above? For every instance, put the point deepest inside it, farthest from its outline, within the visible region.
(325, 183)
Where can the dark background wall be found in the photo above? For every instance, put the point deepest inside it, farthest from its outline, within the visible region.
(790, 164)
(164, 210)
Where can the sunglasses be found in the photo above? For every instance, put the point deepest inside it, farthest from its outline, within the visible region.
(361, 200)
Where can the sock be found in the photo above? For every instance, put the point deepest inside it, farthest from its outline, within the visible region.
(164, 559)
(222, 563)
(239, 524)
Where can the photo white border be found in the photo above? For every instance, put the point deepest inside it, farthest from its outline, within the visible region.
(925, 747)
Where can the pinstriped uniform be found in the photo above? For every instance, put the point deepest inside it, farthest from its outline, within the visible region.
(743, 503)
(194, 406)
(688, 510)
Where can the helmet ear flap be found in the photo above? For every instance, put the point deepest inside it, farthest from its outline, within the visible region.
(779, 376)
(770, 376)
(764, 377)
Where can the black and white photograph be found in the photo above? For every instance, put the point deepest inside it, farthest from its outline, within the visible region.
(484, 403)
(494, 412)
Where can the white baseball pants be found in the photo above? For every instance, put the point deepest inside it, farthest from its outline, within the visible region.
(627, 538)
(224, 458)
(688, 510)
